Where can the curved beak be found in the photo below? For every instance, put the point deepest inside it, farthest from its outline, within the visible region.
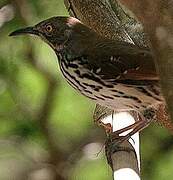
(27, 30)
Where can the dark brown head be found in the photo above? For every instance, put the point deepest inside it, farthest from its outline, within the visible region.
(56, 31)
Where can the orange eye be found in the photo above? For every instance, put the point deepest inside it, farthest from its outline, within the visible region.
(49, 28)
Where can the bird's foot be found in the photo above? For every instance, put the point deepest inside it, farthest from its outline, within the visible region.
(107, 126)
(134, 128)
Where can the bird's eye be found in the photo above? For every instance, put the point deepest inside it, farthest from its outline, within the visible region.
(49, 28)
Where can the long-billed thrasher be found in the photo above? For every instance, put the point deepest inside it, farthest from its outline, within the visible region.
(116, 74)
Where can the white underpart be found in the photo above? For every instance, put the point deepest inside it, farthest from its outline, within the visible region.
(118, 103)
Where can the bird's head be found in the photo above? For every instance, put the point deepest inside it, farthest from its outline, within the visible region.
(55, 31)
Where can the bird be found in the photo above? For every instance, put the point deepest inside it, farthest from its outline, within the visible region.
(116, 74)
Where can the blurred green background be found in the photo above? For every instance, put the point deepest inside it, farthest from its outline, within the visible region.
(46, 128)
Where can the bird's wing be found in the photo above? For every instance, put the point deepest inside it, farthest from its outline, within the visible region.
(124, 62)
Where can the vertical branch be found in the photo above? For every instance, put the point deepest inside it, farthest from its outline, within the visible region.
(125, 159)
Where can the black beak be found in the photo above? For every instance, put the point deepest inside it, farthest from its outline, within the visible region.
(28, 30)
